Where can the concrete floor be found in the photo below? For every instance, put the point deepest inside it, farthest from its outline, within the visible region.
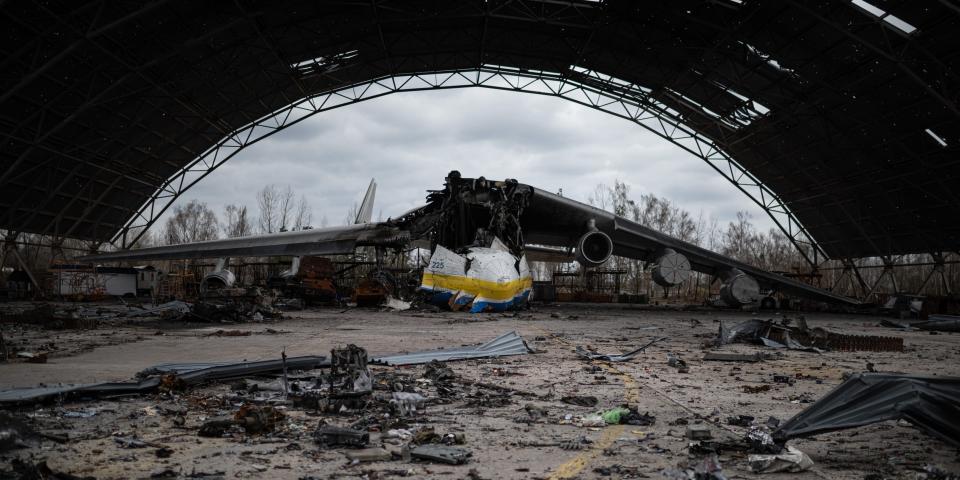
(710, 390)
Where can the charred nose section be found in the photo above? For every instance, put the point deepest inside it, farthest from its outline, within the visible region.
(594, 248)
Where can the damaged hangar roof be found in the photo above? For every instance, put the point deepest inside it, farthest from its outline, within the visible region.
(846, 110)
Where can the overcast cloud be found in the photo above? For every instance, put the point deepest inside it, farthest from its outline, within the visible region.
(409, 141)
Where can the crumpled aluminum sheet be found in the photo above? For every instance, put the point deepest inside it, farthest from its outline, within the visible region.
(791, 460)
(931, 403)
(509, 343)
(583, 352)
(206, 372)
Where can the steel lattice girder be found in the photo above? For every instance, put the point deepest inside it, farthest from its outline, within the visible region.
(627, 101)
(847, 115)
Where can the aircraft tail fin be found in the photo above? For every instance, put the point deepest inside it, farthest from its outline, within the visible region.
(365, 212)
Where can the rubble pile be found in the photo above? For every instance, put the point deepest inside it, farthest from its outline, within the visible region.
(501, 408)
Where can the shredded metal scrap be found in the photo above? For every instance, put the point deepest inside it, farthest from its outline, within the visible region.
(185, 377)
(509, 343)
(767, 333)
(942, 323)
(930, 403)
(591, 355)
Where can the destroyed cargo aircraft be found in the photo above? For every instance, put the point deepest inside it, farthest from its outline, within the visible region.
(482, 233)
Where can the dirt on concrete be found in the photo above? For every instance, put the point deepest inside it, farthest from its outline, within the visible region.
(509, 412)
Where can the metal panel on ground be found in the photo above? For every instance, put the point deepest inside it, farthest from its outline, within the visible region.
(509, 343)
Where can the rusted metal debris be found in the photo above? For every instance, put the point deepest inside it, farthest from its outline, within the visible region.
(801, 337)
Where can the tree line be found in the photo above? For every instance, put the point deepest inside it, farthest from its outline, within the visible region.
(770, 250)
(279, 208)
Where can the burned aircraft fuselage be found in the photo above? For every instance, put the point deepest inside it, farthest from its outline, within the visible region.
(472, 212)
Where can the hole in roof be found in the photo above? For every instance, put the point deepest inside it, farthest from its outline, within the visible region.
(767, 58)
(324, 63)
(748, 110)
(728, 3)
(881, 14)
(695, 105)
(938, 138)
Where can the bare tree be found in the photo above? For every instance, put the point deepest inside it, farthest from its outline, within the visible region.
(740, 239)
(236, 221)
(193, 222)
(304, 214)
(276, 208)
(351, 215)
(600, 197)
(285, 204)
(267, 203)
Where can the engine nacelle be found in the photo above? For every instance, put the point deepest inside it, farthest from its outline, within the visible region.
(738, 288)
(594, 248)
(291, 272)
(670, 268)
(217, 280)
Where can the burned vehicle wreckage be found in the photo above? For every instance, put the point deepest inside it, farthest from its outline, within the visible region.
(483, 232)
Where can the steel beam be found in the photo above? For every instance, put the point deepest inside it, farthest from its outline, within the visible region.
(601, 92)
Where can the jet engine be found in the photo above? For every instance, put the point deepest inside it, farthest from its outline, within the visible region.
(217, 280)
(738, 288)
(670, 268)
(594, 248)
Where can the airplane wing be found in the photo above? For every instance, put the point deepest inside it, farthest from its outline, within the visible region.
(552, 220)
(320, 241)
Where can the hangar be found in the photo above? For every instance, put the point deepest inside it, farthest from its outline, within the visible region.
(838, 118)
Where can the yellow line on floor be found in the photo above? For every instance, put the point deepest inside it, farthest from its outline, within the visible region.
(631, 394)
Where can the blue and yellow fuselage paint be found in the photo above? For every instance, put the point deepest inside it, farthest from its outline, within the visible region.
(495, 280)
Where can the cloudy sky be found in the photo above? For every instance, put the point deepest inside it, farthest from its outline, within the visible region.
(409, 141)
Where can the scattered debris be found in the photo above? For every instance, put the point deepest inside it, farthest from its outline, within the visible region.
(216, 427)
(407, 403)
(755, 388)
(509, 343)
(258, 419)
(329, 436)
(184, 376)
(614, 415)
(394, 303)
(583, 401)
(791, 460)
(936, 473)
(939, 323)
(699, 432)
(365, 455)
(706, 468)
(15, 433)
(441, 454)
(439, 372)
(41, 470)
(33, 357)
(931, 403)
(765, 332)
(590, 354)
(173, 310)
(732, 357)
(740, 420)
